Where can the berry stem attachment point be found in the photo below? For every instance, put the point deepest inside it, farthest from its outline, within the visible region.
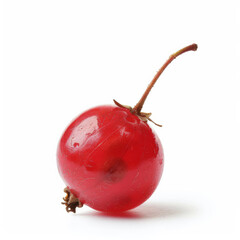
(138, 107)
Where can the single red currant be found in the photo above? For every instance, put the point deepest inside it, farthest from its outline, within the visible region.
(109, 157)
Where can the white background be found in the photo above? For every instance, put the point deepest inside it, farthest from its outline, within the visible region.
(62, 57)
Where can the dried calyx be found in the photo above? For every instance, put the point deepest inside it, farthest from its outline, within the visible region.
(138, 107)
(70, 201)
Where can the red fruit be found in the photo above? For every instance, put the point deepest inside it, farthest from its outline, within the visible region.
(109, 157)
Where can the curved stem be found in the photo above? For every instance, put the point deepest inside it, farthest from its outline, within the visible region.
(138, 107)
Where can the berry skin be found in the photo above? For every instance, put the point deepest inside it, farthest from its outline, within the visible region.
(110, 159)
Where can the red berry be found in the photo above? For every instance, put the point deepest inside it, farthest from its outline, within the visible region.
(109, 157)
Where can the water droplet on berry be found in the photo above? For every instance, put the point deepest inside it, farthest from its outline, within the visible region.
(76, 144)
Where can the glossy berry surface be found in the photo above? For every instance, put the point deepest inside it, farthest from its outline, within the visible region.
(110, 159)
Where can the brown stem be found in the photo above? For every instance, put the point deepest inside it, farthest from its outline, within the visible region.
(138, 107)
